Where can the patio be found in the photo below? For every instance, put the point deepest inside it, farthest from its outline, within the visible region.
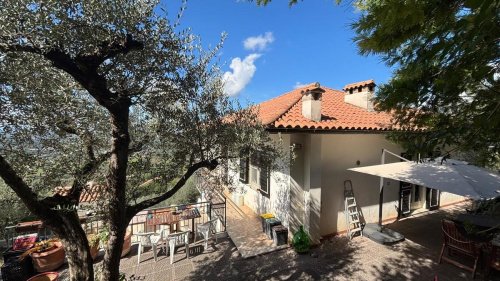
(335, 259)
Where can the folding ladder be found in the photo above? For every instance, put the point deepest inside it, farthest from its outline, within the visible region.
(351, 211)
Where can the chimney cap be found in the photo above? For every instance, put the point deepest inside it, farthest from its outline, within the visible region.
(312, 88)
(370, 82)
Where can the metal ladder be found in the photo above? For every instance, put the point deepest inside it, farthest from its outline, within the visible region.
(351, 211)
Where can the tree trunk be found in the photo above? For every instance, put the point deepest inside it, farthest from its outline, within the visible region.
(76, 247)
(116, 181)
(112, 255)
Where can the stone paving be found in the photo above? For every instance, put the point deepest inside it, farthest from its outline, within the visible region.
(245, 229)
(336, 258)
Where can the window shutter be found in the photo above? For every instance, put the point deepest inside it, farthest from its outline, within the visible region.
(244, 170)
(264, 179)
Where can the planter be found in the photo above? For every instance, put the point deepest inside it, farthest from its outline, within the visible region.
(49, 260)
(127, 243)
(94, 251)
(47, 276)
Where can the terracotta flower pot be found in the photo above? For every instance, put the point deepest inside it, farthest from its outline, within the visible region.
(46, 276)
(94, 251)
(127, 243)
(49, 260)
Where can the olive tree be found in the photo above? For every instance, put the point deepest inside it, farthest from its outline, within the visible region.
(114, 92)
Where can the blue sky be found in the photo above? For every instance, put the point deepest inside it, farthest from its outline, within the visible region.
(309, 42)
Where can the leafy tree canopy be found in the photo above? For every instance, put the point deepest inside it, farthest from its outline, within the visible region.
(446, 60)
(114, 92)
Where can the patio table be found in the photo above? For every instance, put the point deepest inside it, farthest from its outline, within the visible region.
(172, 217)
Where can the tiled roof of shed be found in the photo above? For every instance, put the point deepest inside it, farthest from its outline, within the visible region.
(285, 111)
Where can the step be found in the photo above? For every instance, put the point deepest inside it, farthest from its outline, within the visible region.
(351, 205)
(353, 213)
(355, 221)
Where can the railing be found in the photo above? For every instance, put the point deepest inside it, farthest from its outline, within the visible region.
(216, 208)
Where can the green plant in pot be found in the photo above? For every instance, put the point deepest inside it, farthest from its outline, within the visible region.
(47, 255)
(127, 240)
(93, 240)
(301, 242)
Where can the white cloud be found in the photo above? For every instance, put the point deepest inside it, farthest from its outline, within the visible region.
(299, 85)
(259, 42)
(241, 74)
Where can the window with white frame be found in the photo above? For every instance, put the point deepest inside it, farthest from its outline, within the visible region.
(259, 174)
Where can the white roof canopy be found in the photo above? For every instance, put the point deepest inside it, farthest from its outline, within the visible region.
(452, 176)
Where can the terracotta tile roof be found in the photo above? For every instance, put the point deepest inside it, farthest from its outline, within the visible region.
(285, 111)
(358, 84)
(270, 110)
(90, 193)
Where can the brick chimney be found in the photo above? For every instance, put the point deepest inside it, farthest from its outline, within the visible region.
(360, 94)
(311, 102)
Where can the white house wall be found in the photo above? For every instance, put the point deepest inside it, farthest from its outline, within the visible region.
(278, 201)
(294, 202)
(342, 151)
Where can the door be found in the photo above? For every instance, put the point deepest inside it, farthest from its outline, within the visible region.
(405, 198)
(432, 199)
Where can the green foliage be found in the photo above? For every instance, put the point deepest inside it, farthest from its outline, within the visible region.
(446, 60)
(13, 210)
(112, 92)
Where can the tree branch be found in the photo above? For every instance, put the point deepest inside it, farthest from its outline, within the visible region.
(21, 188)
(210, 164)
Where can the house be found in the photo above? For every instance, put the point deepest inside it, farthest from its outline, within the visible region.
(324, 132)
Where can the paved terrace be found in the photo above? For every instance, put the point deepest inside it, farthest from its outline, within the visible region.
(335, 259)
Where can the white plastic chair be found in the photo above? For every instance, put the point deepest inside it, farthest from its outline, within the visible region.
(175, 240)
(206, 229)
(149, 239)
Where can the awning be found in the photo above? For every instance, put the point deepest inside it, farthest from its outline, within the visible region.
(452, 176)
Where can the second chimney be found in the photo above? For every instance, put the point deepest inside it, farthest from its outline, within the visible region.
(360, 94)
(311, 102)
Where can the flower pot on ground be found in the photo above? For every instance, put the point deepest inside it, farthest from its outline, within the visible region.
(93, 245)
(47, 255)
(46, 276)
(127, 243)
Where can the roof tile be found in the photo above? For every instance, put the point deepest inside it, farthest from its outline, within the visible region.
(285, 111)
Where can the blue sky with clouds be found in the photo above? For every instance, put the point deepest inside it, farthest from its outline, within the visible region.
(270, 50)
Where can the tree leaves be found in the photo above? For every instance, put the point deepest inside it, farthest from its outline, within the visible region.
(446, 56)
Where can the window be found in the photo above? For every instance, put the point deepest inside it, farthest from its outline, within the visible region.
(244, 169)
(416, 197)
(259, 174)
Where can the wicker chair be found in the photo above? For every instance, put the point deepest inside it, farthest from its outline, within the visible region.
(454, 241)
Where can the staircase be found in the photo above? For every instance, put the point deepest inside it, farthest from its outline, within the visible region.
(351, 212)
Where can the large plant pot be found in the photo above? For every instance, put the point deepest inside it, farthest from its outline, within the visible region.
(47, 276)
(49, 260)
(94, 251)
(127, 243)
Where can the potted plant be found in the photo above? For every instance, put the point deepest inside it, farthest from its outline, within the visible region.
(93, 244)
(47, 255)
(127, 241)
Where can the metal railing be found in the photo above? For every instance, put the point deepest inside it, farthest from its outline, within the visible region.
(216, 208)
